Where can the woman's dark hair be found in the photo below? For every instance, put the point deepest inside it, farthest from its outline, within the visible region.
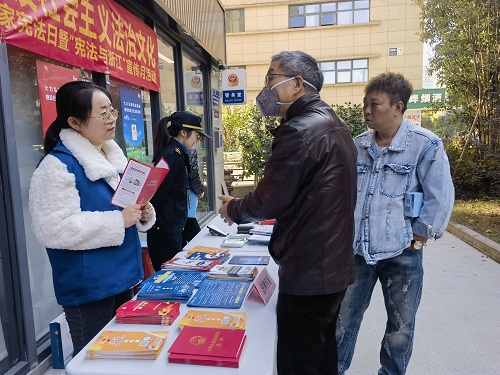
(163, 135)
(73, 99)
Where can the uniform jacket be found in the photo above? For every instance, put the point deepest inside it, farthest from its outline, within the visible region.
(415, 161)
(309, 187)
(92, 255)
(170, 200)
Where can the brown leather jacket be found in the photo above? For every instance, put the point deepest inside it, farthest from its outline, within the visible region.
(309, 186)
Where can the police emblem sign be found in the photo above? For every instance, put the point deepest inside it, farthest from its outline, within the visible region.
(234, 86)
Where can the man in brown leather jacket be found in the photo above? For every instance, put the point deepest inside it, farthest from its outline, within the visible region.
(309, 186)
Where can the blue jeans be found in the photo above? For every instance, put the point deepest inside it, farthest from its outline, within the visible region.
(401, 279)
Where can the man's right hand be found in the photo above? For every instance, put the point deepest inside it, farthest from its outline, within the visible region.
(223, 209)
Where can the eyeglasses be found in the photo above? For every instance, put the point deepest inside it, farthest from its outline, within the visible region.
(199, 136)
(106, 116)
(270, 75)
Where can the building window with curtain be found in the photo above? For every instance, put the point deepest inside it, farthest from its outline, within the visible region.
(344, 71)
(235, 20)
(330, 13)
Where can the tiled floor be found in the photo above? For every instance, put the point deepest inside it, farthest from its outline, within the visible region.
(458, 323)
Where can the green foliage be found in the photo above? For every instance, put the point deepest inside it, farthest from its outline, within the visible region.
(247, 131)
(352, 114)
(466, 41)
(449, 125)
(475, 176)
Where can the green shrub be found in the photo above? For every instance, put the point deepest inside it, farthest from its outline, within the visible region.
(476, 176)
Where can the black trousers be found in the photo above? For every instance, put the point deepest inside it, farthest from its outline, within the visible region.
(163, 245)
(306, 334)
(85, 321)
(191, 229)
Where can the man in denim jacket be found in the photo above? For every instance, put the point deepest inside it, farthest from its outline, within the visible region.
(394, 157)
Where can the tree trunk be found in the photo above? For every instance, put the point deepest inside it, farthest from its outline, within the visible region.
(469, 136)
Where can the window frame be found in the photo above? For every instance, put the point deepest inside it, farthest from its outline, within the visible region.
(344, 12)
(356, 66)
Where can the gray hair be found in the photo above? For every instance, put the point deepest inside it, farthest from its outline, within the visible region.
(299, 63)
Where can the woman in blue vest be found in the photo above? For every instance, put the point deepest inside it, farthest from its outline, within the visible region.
(175, 136)
(93, 246)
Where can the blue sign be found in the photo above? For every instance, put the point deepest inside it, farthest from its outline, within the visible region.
(233, 97)
(133, 122)
(194, 97)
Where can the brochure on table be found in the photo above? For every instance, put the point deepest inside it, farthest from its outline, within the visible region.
(259, 353)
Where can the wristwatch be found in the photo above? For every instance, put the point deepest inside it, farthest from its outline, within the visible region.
(417, 245)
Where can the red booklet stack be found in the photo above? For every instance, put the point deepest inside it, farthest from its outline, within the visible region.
(147, 312)
(208, 346)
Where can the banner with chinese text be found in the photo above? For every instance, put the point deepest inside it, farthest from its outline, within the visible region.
(50, 78)
(97, 35)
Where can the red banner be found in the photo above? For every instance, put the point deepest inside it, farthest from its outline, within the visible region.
(50, 78)
(97, 35)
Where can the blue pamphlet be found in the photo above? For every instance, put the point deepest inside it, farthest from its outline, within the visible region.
(228, 294)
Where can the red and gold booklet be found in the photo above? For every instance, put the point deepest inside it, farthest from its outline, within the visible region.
(208, 346)
(147, 312)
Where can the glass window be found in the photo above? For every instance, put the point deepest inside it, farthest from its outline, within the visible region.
(344, 77)
(329, 78)
(312, 21)
(345, 71)
(345, 5)
(361, 4)
(360, 75)
(235, 20)
(342, 65)
(297, 22)
(345, 18)
(134, 127)
(328, 7)
(167, 78)
(328, 19)
(363, 63)
(193, 93)
(313, 8)
(331, 13)
(29, 132)
(361, 16)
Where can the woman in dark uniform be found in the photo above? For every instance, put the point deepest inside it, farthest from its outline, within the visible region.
(175, 136)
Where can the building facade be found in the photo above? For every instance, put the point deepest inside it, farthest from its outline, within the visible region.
(155, 57)
(353, 40)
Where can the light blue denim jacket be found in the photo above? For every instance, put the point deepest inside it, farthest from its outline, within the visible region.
(414, 161)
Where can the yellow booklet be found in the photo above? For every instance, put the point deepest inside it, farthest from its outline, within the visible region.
(213, 319)
(127, 345)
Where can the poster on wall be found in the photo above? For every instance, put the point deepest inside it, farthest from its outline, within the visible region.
(133, 123)
(50, 77)
(193, 82)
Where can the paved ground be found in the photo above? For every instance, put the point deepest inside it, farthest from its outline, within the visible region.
(458, 323)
